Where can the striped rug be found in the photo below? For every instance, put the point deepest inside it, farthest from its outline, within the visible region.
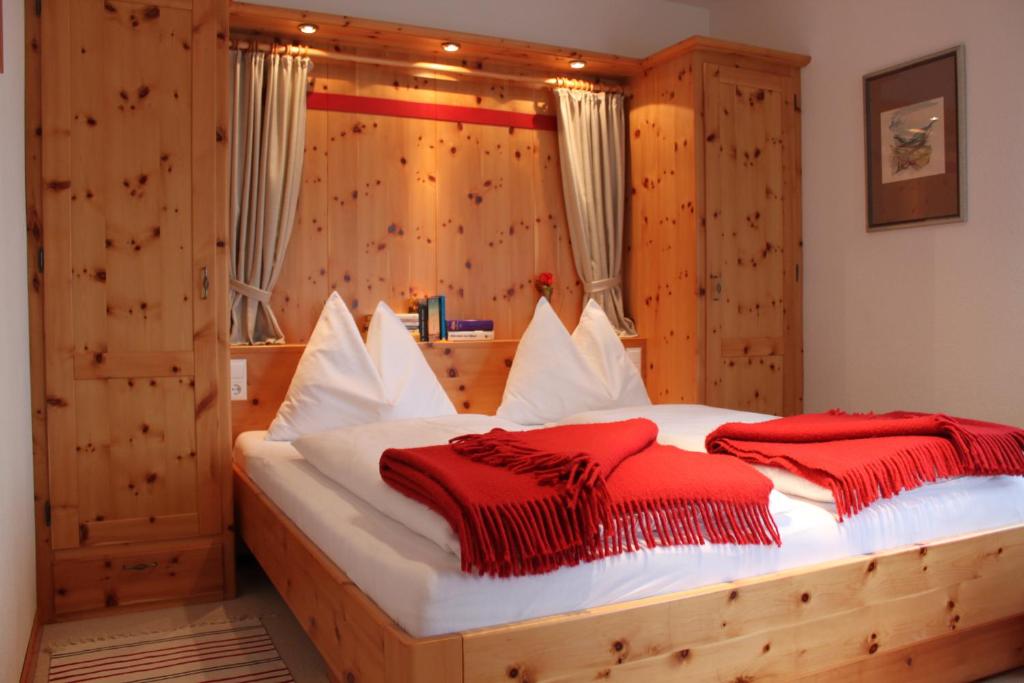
(231, 652)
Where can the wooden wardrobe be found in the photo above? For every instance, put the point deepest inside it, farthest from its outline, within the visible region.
(128, 183)
(714, 279)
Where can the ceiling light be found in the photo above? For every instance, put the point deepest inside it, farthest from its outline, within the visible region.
(577, 64)
(308, 28)
(449, 46)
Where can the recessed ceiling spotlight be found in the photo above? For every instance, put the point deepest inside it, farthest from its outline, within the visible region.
(577, 64)
(449, 46)
(308, 28)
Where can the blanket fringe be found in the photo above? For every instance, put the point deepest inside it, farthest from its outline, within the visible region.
(541, 536)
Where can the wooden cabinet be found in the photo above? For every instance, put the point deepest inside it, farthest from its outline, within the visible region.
(714, 249)
(133, 114)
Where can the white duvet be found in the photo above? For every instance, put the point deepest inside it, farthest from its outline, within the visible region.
(351, 457)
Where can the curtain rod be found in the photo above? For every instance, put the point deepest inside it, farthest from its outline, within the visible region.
(436, 70)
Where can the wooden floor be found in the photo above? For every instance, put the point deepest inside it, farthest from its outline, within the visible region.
(258, 598)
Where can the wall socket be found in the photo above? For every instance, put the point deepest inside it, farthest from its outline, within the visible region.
(239, 379)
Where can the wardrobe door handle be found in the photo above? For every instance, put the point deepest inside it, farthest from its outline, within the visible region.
(140, 566)
(205, 293)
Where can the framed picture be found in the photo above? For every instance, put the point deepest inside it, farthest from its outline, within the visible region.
(914, 130)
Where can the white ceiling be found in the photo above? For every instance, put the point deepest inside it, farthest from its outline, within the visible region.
(633, 28)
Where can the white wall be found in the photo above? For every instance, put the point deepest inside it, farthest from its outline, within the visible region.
(17, 546)
(633, 28)
(930, 318)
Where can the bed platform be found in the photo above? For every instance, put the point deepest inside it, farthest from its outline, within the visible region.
(952, 610)
(913, 612)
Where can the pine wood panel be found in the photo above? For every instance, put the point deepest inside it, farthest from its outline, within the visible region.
(37, 356)
(132, 109)
(777, 627)
(136, 576)
(663, 287)
(477, 52)
(749, 148)
(395, 208)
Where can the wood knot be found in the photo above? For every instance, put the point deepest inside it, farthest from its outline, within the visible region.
(618, 645)
(513, 672)
(733, 595)
(766, 648)
(873, 649)
(683, 654)
(923, 551)
(872, 566)
(805, 597)
(452, 372)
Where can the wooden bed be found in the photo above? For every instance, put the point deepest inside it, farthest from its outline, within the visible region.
(951, 610)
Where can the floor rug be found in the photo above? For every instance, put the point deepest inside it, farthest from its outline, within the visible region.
(230, 652)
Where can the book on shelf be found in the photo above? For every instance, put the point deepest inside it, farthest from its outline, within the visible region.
(463, 335)
(470, 325)
(431, 319)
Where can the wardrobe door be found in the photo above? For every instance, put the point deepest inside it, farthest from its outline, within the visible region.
(135, 446)
(754, 355)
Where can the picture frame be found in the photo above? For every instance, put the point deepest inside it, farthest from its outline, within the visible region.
(915, 142)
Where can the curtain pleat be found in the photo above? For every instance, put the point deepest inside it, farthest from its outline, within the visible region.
(591, 141)
(268, 131)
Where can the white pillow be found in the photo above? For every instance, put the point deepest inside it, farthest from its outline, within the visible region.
(337, 382)
(555, 375)
(597, 340)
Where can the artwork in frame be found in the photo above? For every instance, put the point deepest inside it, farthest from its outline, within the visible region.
(915, 142)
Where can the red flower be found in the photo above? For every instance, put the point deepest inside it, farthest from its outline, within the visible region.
(545, 280)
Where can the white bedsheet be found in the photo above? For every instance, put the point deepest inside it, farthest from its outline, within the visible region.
(422, 588)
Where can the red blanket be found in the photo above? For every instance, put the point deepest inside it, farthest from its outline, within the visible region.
(862, 458)
(530, 502)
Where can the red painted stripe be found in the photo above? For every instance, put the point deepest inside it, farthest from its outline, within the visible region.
(177, 661)
(161, 652)
(355, 104)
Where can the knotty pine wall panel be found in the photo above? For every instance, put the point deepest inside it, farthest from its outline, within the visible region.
(394, 208)
(662, 260)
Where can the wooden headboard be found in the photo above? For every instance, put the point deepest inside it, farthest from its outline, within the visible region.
(472, 372)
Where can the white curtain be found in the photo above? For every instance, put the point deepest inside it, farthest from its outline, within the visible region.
(591, 140)
(268, 131)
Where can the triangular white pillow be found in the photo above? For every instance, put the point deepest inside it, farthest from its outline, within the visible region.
(555, 375)
(597, 340)
(338, 384)
(410, 386)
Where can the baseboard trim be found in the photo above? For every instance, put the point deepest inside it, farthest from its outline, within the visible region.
(28, 668)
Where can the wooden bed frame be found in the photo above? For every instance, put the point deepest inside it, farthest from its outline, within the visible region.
(951, 610)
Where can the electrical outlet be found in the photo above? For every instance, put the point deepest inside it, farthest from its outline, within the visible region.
(239, 379)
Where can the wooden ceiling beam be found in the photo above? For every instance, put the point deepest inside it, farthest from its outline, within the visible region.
(476, 51)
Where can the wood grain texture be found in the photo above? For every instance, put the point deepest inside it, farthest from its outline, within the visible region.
(663, 287)
(479, 53)
(714, 238)
(752, 240)
(473, 374)
(394, 208)
(37, 355)
(849, 619)
(781, 626)
(122, 577)
(358, 641)
(133, 110)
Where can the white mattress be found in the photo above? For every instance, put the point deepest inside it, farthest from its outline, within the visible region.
(423, 589)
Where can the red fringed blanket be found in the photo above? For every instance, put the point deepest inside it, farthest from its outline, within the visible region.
(862, 458)
(530, 502)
